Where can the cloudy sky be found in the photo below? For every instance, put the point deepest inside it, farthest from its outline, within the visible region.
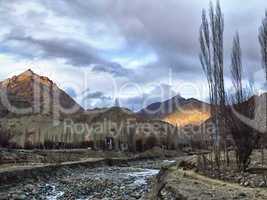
(134, 50)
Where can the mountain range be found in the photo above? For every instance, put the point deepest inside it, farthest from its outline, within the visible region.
(21, 92)
(39, 123)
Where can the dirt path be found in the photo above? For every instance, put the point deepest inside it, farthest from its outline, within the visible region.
(29, 166)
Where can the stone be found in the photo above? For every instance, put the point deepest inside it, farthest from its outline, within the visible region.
(19, 197)
(262, 184)
(246, 184)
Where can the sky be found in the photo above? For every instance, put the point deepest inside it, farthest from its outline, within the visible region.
(133, 50)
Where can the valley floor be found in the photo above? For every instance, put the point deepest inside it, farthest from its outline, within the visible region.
(85, 174)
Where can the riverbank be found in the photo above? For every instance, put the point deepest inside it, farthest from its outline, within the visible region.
(18, 157)
(78, 173)
(176, 182)
(17, 165)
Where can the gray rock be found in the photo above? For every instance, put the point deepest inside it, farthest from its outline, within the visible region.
(262, 184)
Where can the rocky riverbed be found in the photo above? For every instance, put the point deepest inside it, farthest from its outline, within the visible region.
(123, 182)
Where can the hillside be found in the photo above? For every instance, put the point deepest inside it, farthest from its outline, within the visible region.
(32, 110)
(192, 112)
(38, 94)
(13, 100)
(117, 121)
(178, 111)
(115, 114)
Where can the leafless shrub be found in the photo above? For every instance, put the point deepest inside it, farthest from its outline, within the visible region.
(263, 44)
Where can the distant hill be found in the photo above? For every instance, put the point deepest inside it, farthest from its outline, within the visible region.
(122, 123)
(178, 111)
(39, 93)
(158, 110)
(115, 114)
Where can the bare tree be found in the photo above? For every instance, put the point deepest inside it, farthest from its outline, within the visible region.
(236, 69)
(211, 57)
(237, 128)
(263, 43)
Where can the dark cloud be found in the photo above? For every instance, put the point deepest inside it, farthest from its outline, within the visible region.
(159, 93)
(74, 52)
(170, 29)
(96, 99)
(112, 68)
(97, 95)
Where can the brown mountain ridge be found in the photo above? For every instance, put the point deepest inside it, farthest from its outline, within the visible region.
(37, 93)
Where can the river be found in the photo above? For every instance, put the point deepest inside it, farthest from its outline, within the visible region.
(124, 182)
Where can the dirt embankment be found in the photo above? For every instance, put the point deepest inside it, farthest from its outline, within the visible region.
(14, 157)
(29, 157)
(19, 174)
(175, 183)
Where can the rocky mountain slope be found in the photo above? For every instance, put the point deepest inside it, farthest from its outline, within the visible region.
(33, 109)
(178, 111)
(37, 93)
(192, 111)
(158, 110)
